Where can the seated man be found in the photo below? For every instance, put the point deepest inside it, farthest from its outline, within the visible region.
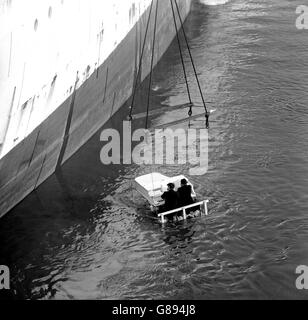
(171, 199)
(184, 194)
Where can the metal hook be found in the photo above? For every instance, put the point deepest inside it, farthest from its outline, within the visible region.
(207, 115)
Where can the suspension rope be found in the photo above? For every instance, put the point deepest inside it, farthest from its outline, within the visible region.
(152, 63)
(183, 65)
(181, 54)
(137, 77)
(207, 114)
(149, 89)
(140, 63)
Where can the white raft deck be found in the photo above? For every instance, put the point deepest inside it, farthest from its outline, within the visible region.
(153, 185)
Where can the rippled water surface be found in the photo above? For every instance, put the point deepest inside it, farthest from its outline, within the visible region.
(84, 233)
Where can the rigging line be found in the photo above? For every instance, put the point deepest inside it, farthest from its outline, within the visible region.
(149, 89)
(139, 70)
(152, 63)
(183, 64)
(193, 64)
(181, 53)
(140, 62)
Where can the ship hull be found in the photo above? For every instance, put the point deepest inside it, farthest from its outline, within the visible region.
(88, 108)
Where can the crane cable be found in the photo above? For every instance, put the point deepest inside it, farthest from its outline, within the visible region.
(150, 84)
(182, 60)
(140, 63)
(130, 118)
(152, 64)
(207, 114)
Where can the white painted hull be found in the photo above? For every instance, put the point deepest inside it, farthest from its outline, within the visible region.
(91, 100)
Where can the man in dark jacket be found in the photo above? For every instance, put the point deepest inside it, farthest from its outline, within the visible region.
(184, 194)
(170, 197)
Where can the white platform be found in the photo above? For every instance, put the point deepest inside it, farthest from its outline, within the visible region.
(152, 186)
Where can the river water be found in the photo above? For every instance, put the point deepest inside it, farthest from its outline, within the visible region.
(84, 234)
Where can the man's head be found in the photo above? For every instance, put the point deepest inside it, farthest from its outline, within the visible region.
(183, 182)
(170, 186)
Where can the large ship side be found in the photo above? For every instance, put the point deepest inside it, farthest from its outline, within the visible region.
(93, 96)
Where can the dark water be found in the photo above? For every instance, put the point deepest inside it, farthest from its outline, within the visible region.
(84, 234)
